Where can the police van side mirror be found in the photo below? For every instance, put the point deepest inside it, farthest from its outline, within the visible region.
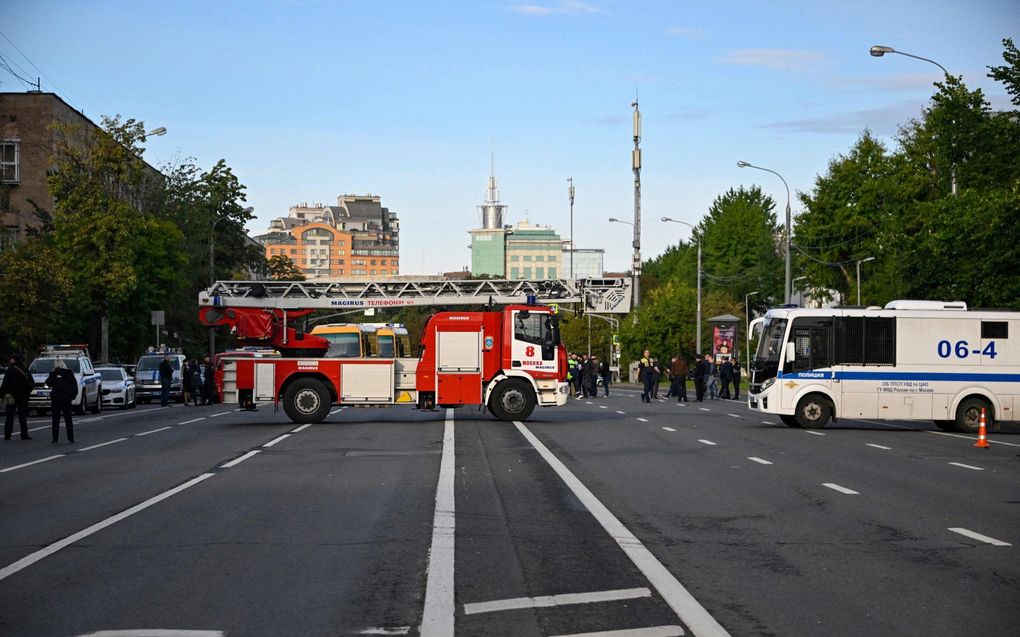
(791, 352)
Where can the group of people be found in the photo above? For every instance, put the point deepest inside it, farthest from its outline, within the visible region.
(15, 390)
(583, 374)
(708, 376)
(198, 382)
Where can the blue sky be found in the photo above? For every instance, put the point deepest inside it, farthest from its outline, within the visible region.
(308, 99)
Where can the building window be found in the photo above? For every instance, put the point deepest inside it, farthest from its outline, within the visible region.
(10, 155)
(515, 273)
(539, 258)
(552, 273)
(527, 273)
(293, 250)
(382, 262)
(527, 257)
(515, 257)
(539, 273)
(373, 263)
(372, 272)
(8, 238)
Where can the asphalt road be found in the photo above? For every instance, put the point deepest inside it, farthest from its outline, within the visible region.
(606, 515)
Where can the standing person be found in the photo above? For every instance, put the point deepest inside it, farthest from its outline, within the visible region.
(593, 376)
(736, 379)
(711, 373)
(195, 375)
(656, 376)
(699, 378)
(209, 383)
(187, 388)
(680, 378)
(64, 388)
(166, 377)
(726, 377)
(645, 376)
(14, 391)
(606, 375)
(673, 389)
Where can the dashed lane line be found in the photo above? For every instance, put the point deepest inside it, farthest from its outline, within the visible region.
(734, 416)
(102, 444)
(704, 409)
(222, 413)
(238, 460)
(814, 433)
(651, 631)
(643, 419)
(29, 464)
(841, 489)
(758, 460)
(152, 431)
(707, 442)
(871, 444)
(603, 407)
(276, 440)
(966, 466)
(440, 606)
(977, 536)
(692, 613)
(188, 422)
(622, 413)
(669, 429)
(997, 442)
(767, 422)
(301, 428)
(547, 601)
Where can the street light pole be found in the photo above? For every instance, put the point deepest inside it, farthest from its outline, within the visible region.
(636, 165)
(878, 51)
(789, 232)
(747, 328)
(859, 262)
(570, 192)
(212, 277)
(698, 317)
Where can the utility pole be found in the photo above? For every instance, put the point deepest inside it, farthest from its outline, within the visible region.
(636, 164)
(570, 180)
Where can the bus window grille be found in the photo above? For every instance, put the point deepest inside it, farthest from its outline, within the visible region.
(994, 329)
(880, 341)
(850, 340)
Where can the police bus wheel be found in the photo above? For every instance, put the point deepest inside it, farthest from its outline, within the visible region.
(813, 412)
(945, 425)
(968, 415)
(513, 399)
(307, 400)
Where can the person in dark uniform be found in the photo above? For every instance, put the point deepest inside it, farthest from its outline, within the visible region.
(593, 377)
(736, 379)
(645, 376)
(166, 377)
(726, 377)
(14, 391)
(699, 378)
(656, 376)
(209, 391)
(64, 388)
(606, 376)
(680, 378)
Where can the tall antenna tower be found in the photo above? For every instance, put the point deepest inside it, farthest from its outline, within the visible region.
(636, 165)
(492, 209)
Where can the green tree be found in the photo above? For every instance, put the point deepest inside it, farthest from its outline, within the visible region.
(1009, 73)
(34, 284)
(281, 268)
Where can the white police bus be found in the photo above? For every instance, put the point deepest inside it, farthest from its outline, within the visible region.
(911, 360)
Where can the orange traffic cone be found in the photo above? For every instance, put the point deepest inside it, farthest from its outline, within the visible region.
(982, 441)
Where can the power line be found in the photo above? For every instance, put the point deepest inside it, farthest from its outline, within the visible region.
(38, 69)
(5, 65)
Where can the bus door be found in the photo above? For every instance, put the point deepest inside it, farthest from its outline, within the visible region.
(811, 365)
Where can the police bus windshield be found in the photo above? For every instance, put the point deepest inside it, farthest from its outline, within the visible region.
(151, 363)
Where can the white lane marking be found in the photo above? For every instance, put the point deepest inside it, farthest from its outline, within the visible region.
(758, 460)
(238, 460)
(669, 588)
(883, 424)
(998, 442)
(669, 429)
(29, 464)
(146, 433)
(587, 402)
(603, 407)
(396, 630)
(222, 413)
(301, 428)
(814, 433)
(276, 440)
(438, 616)
(546, 601)
(734, 416)
(28, 560)
(767, 422)
(622, 413)
(188, 422)
(155, 632)
(643, 419)
(102, 444)
(977, 536)
(652, 631)
(836, 487)
(704, 409)
(336, 411)
(871, 444)
(707, 442)
(966, 466)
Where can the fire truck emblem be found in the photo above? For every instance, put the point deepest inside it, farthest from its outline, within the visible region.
(488, 342)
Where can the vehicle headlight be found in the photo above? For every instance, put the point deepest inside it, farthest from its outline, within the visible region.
(768, 383)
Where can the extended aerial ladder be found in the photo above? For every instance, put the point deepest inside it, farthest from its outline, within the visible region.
(261, 312)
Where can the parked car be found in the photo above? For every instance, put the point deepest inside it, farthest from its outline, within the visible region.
(147, 382)
(118, 387)
(76, 358)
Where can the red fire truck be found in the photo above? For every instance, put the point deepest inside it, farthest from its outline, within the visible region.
(508, 359)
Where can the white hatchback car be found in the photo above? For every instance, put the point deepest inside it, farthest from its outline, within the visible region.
(118, 387)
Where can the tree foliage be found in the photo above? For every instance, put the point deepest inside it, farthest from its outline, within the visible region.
(281, 268)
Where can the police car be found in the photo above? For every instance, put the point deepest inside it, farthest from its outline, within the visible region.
(147, 385)
(76, 358)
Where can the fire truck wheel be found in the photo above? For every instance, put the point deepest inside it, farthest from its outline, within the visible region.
(813, 411)
(513, 399)
(307, 400)
(968, 415)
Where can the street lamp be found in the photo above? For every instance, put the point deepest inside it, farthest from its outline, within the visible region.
(878, 51)
(157, 132)
(747, 328)
(859, 262)
(698, 239)
(570, 194)
(789, 233)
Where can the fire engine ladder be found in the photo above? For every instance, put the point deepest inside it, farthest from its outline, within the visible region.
(603, 296)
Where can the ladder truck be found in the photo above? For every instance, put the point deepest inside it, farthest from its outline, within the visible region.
(507, 358)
